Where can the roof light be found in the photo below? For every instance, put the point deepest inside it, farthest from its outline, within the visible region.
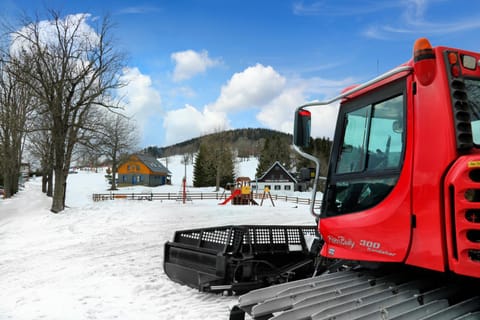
(469, 62)
(455, 71)
(424, 61)
(452, 57)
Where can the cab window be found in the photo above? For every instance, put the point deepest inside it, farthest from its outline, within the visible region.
(369, 156)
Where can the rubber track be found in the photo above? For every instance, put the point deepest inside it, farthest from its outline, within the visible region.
(365, 295)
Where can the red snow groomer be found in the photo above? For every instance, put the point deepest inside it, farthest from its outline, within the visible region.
(400, 216)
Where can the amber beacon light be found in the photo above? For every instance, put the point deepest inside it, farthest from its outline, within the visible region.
(424, 61)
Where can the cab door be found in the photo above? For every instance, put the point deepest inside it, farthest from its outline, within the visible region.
(366, 212)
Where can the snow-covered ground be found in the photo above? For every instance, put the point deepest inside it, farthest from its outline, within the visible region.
(103, 260)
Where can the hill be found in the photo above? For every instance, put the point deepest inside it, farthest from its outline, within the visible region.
(248, 142)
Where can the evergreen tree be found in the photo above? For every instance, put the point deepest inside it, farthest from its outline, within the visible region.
(227, 174)
(200, 174)
(274, 149)
(264, 161)
(320, 148)
(214, 165)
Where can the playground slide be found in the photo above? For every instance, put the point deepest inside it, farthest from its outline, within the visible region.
(235, 193)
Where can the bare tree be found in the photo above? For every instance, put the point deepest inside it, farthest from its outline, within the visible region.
(15, 107)
(40, 147)
(71, 69)
(118, 137)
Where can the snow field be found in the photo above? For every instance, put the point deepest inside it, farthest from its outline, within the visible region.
(104, 260)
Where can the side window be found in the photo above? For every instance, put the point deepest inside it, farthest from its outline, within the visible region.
(373, 138)
(353, 150)
(369, 157)
(385, 143)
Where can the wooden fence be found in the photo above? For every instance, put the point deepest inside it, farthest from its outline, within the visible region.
(192, 196)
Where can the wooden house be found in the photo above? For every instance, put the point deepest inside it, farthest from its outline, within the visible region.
(276, 178)
(141, 169)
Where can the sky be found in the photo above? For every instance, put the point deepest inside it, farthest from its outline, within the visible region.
(195, 67)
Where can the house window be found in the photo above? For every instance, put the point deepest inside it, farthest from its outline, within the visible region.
(286, 187)
(278, 187)
(139, 178)
(124, 178)
(128, 167)
(138, 167)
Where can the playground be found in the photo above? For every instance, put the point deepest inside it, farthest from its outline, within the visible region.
(242, 194)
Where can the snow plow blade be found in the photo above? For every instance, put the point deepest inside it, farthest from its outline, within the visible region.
(237, 259)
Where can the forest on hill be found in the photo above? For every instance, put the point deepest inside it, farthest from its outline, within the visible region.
(215, 153)
(247, 142)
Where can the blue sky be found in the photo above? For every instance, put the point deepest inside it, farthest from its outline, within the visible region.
(195, 67)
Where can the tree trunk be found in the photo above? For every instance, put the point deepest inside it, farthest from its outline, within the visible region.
(114, 174)
(44, 181)
(58, 201)
(7, 185)
(50, 183)
(217, 178)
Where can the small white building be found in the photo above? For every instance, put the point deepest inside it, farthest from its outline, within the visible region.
(276, 178)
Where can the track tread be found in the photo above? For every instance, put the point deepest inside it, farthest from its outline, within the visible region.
(362, 295)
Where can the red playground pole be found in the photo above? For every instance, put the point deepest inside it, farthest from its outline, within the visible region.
(184, 190)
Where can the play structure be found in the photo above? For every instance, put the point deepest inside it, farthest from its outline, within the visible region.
(241, 193)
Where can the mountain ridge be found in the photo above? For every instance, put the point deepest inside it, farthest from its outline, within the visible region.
(248, 142)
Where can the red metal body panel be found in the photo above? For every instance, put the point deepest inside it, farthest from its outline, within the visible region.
(434, 150)
(378, 234)
(413, 224)
(463, 215)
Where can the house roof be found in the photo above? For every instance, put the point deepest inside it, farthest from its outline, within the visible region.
(277, 163)
(153, 164)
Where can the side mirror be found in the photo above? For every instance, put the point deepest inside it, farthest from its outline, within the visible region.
(301, 128)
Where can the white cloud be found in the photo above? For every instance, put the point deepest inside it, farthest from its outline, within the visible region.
(279, 113)
(48, 31)
(270, 93)
(189, 122)
(412, 21)
(337, 8)
(324, 120)
(141, 98)
(253, 87)
(190, 63)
